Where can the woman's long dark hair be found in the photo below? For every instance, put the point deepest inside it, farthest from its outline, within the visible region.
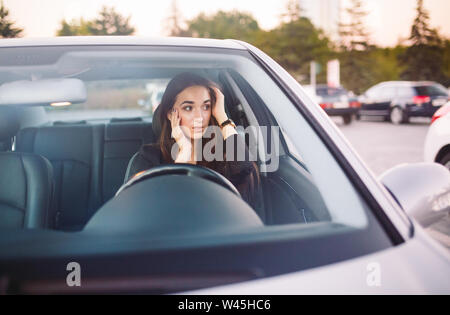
(179, 83)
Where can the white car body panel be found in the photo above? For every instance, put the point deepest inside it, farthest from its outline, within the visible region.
(402, 270)
(120, 40)
(438, 136)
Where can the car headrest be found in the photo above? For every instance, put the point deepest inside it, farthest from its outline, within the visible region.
(9, 123)
(156, 123)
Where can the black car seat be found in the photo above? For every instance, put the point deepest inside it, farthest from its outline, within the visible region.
(89, 162)
(26, 182)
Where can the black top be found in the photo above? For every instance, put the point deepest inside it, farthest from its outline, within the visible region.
(242, 174)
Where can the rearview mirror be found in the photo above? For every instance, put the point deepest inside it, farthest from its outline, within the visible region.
(43, 92)
(422, 190)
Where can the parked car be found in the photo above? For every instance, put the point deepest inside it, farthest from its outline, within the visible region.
(155, 92)
(323, 223)
(437, 142)
(335, 101)
(397, 101)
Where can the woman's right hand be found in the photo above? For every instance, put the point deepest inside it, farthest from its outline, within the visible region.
(184, 144)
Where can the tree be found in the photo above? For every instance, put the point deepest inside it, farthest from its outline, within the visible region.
(353, 35)
(222, 25)
(357, 72)
(447, 63)
(294, 45)
(292, 13)
(425, 58)
(421, 33)
(174, 21)
(109, 22)
(7, 29)
(79, 27)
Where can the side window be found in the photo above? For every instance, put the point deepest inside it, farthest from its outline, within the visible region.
(405, 92)
(297, 185)
(389, 92)
(374, 92)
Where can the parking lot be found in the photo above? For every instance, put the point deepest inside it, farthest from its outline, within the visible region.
(383, 145)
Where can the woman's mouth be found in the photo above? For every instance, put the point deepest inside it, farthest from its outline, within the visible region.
(197, 129)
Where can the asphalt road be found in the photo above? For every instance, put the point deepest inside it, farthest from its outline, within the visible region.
(383, 145)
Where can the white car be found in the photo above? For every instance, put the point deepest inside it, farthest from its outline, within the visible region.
(321, 223)
(437, 142)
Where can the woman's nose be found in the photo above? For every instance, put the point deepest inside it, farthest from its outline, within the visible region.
(198, 114)
(198, 120)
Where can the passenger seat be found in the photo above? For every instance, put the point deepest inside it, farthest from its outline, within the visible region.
(26, 182)
(75, 153)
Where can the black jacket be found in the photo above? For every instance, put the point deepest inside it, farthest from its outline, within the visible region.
(242, 174)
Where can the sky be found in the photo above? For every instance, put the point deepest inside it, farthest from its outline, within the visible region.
(388, 20)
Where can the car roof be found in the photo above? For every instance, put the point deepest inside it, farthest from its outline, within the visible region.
(408, 83)
(122, 40)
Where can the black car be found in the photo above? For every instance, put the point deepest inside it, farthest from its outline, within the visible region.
(397, 101)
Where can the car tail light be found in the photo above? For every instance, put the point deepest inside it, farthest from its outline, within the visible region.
(326, 105)
(420, 99)
(355, 104)
(441, 112)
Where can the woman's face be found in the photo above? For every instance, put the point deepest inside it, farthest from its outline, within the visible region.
(194, 107)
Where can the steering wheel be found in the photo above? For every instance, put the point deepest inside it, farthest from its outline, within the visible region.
(181, 169)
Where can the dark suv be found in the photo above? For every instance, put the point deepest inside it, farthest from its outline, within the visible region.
(397, 101)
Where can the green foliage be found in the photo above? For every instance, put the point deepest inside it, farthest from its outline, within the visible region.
(294, 45)
(109, 22)
(353, 34)
(222, 25)
(79, 27)
(356, 74)
(427, 57)
(359, 65)
(174, 23)
(292, 11)
(385, 65)
(446, 67)
(7, 29)
(421, 33)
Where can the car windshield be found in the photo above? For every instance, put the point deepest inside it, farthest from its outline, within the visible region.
(302, 191)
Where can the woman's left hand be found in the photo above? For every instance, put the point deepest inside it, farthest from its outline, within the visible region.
(218, 110)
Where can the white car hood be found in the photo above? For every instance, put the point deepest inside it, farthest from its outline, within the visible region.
(419, 266)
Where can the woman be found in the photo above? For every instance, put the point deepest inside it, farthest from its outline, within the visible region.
(190, 107)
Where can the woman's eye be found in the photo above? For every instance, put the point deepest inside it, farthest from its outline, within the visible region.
(187, 108)
(206, 107)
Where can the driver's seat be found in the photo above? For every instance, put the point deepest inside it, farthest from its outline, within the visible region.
(156, 156)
